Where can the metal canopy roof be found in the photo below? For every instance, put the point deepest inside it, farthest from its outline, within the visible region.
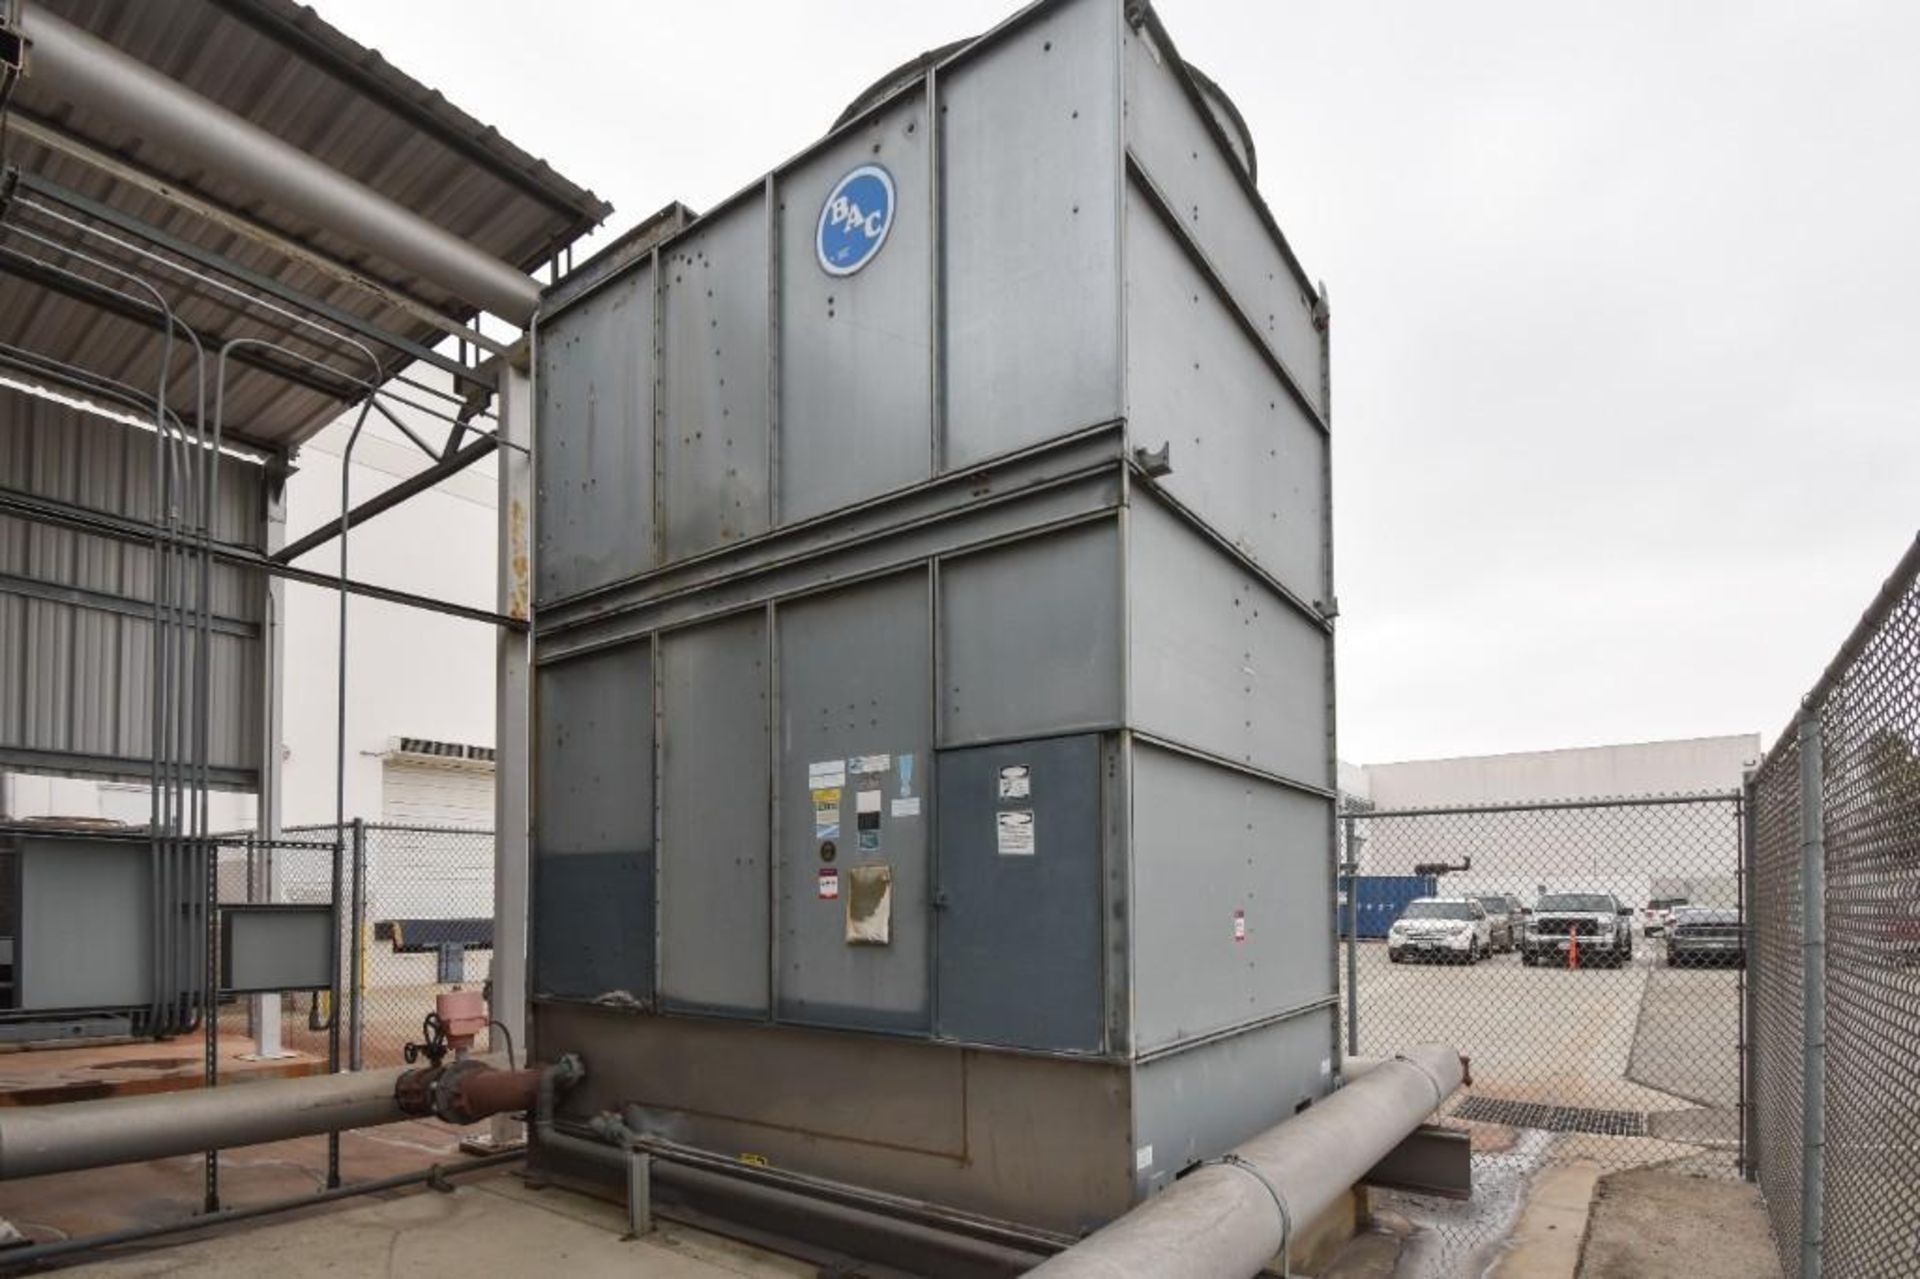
(278, 65)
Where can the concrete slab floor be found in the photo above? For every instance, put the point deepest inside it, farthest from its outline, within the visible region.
(38, 1076)
(1657, 1222)
(489, 1225)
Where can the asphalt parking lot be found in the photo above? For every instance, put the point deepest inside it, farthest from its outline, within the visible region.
(1655, 1042)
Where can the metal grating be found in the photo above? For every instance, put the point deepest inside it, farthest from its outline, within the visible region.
(1533, 1114)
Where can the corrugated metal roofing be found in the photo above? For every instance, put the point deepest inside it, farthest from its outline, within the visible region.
(76, 628)
(282, 67)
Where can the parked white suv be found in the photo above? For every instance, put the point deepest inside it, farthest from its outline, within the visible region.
(1453, 928)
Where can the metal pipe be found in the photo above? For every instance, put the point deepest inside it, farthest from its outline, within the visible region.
(16, 1258)
(1353, 936)
(1233, 1215)
(356, 927)
(1813, 978)
(884, 1225)
(37, 1140)
(76, 66)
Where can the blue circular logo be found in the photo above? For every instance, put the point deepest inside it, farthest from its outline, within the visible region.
(855, 220)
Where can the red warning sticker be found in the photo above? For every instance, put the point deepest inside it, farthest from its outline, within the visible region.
(829, 883)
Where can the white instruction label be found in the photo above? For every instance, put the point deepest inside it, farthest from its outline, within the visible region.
(1015, 832)
(828, 774)
(1016, 781)
(860, 764)
(867, 801)
(907, 806)
(1143, 1159)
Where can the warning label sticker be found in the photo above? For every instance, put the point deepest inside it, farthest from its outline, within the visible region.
(827, 774)
(1015, 832)
(826, 813)
(1016, 781)
(1239, 925)
(829, 883)
(866, 765)
(906, 806)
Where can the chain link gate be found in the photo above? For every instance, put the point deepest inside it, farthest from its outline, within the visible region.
(1588, 956)
(1836, 923)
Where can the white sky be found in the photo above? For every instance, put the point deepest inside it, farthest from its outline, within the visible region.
(1626, 304)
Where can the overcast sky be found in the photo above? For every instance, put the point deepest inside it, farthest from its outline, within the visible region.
(1626, 305)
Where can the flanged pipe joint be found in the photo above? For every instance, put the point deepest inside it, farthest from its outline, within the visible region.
(466, 1091)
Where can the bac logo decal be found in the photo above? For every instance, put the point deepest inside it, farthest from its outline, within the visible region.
(855, 220)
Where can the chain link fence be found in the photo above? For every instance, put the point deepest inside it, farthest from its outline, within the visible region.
(417, 921)
(1586, 955)
(1836, 924)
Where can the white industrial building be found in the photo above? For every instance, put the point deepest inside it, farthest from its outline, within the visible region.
(1540, 838)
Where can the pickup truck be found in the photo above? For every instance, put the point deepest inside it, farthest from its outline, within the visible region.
(1602, 925)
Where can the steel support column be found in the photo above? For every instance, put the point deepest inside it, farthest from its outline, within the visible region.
(1813, 976)
(265, 1012)
(512, 720)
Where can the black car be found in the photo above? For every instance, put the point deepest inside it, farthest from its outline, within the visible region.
(1701, 935)
(1593, 925)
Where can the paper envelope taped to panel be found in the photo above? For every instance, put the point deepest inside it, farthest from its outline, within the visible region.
(869, 896)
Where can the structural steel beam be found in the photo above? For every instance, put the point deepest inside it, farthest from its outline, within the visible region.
(76, 66)
(246, 275)
(66, 515)
(31, 128)
(389, 498)
(113, 301)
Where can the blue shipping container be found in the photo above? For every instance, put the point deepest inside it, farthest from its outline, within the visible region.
(1382, 898)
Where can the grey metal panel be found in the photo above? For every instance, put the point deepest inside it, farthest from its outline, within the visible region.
(1169, 139)
(1246, 458)
(714, 891)
(1020, 933)
(1210, 842)
(593, 788)
(855, 369)
(86, 923)
(1204, 1101)
(714, 432)
(1030, 183)
(854, 680)
(1038, 1140)
(594, 441)
(275, 948)
(1031, 637)
(1220, 662)
(592, 933)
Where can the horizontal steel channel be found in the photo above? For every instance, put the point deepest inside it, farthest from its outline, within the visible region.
(63, 514)
(101, 602)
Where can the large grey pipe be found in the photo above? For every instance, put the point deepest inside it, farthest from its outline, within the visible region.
(71, 64)
(1232, 1216)
(35, 1140)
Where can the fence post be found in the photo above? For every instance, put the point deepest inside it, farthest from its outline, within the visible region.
(357, 984)
(1353, 937)
(1749, 978)
(1813, 943)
